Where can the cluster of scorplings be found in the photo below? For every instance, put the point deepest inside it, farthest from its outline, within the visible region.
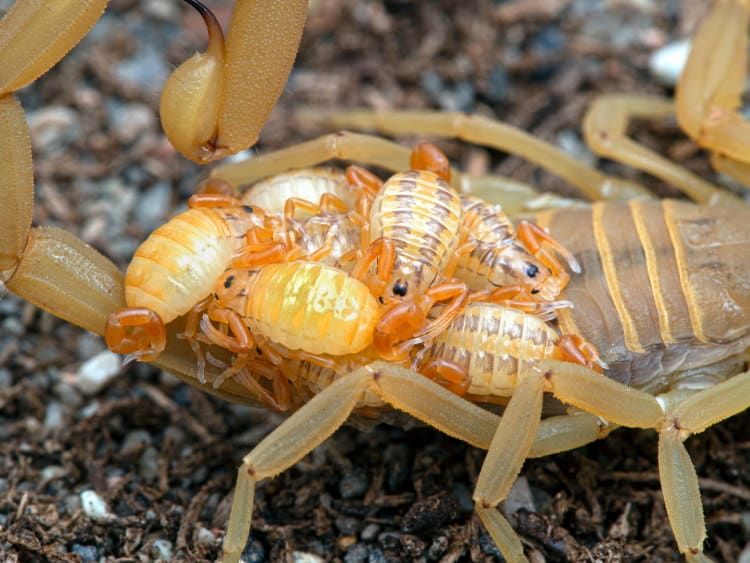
(316, 272)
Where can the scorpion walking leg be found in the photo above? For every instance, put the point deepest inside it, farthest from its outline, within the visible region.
(604, 128)
(494, 134)
(709, 92)
(675, 423)
(365, 149)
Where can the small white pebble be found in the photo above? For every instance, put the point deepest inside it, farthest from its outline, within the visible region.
(52, 472)
(164, 549)
(519, 497)
(303, 557)
(54, 416)
(666, 64)
(206, 537)
(96, 373)
(95, 507)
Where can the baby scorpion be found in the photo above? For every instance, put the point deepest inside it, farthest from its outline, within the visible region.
(176, 266)
(422, 232)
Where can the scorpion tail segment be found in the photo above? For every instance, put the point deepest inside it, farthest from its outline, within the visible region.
(35, 35)
(191, 98)
(137, 332)
(16, 190)
(426, 156)
(577, 350)
(533, 236)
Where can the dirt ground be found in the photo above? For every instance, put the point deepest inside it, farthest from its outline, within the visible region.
(163, 455)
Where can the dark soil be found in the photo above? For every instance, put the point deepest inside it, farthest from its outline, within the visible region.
(163, 455)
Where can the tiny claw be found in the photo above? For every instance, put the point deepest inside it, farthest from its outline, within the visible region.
(137, 332)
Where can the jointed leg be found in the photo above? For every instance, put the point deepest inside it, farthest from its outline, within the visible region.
(605, 125)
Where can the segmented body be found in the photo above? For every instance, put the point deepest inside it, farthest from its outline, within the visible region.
(179, 263)
(499, 259)
(303, 306)
(309, 184)
(665, 289)
(492, 344)
(421, 214)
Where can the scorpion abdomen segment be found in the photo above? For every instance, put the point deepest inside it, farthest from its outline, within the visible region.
(664, 288)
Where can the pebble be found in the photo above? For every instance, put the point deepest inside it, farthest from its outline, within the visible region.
(357, 553)
(6, 378)
(86, 552)
(354, 484)
(370, 532)
(376, 556)
(347, 525)
(96, 373)
(150, 464)
(52, 128)
(130, 121)
(205, 537)
(163, 549)
(54, 416)
(519, 497)
(666, 63)
(146, 69)
(135, 440)
(304, 557)
(95, 507)
(67, 394)
(152, 207)
(499, 84)
(12, 326)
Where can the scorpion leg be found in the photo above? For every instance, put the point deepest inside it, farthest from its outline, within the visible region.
(708, 94)
(366, 149)
(491, 133)
(604, 128)
(626, 406)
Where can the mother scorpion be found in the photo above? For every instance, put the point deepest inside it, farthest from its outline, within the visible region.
(675, 365)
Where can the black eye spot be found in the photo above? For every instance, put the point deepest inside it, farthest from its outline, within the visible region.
(381, 299)
(532, 271)
(534, 291)
(248, 208)
(400, 288)
(228, 282)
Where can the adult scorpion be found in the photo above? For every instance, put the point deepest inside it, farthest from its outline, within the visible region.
(28, 261)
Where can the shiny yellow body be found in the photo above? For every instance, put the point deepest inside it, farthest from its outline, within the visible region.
(179, 263)
(304, 306)
(421, 213)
